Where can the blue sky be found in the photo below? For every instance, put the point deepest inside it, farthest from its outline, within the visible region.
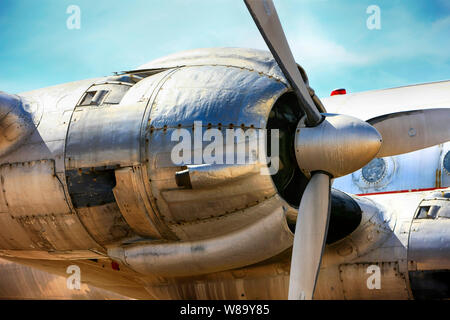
(328, 37)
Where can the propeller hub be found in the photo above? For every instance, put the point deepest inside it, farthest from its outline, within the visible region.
(339, 145)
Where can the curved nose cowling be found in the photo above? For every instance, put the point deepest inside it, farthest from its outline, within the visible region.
(339, 145)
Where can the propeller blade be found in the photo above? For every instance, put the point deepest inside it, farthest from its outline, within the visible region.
(310, 235)
(408, 131)
(266, 18)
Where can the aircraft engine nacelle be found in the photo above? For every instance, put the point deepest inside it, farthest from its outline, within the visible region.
(228, 212)
(121, 162)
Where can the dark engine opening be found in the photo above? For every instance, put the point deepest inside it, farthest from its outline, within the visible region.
(289, 180)
(345, 215)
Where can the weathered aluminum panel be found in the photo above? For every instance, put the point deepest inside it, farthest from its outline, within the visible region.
(37, 151)
(104, 136)
(133, 202)
(224, 287)
(12, 235)
(47, 142)
(18, 119)
(105, 223)
(100, 140)
(401, 209)
(37, 205)
(32, 188)
(57, 228)
(429, 244)
(115, 141)
(57, 232)
(354, 276)
(53, 126)
(381, 238)
(3, 204)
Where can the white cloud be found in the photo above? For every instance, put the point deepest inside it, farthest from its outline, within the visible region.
(318, 52)
(311, 47)
(403, 36)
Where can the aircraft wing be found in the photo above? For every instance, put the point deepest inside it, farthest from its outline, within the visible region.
(371, 104)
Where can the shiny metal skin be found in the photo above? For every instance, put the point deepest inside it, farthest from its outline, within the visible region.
(229, 251)
(224, 97)
(37, 219)
(408, 131)
(339, 145)
(18, 119)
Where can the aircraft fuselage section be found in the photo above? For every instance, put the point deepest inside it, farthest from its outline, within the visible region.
(95, 179)
(97, 172)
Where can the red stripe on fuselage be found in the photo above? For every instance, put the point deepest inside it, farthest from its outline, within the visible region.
(399, 191)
